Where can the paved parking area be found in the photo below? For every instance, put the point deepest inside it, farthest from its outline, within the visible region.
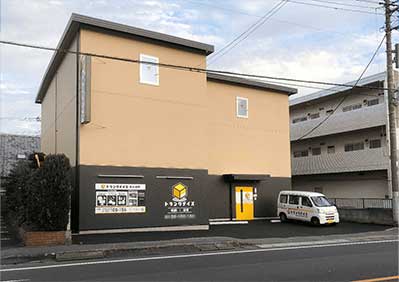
(253, 230)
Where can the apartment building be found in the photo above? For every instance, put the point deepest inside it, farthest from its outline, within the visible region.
(348, 155)
(157, 147)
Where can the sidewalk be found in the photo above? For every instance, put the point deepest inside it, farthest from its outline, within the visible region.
(179, 245)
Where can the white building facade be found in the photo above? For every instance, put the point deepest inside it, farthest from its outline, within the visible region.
(348, 155)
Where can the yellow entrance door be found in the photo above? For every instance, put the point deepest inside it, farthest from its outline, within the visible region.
(244, 203)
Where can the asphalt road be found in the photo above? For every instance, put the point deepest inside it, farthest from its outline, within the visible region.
(253, 230)
(326, 263)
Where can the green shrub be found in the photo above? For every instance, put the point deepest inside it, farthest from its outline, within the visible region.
(48, 206)
(17, 191)
(39, 198)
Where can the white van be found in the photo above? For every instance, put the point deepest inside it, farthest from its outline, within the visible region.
(306, 206)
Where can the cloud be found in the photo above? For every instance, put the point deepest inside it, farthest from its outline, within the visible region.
(299, 41)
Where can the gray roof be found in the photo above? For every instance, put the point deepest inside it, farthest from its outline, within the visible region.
(334, 90)
(251, 83)
(76, 21)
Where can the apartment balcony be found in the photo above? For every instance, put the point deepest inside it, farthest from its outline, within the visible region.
(363, 160)
(366, 117)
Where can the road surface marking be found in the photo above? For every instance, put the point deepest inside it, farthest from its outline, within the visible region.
(193, 255)
(275, 221)
(4, 239)
(18, 280)
(275, 245)
(227, 222)
(389, 278)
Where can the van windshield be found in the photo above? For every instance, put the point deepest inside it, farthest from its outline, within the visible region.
(321, 201)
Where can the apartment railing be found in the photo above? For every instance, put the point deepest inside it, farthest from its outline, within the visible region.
(362, 203)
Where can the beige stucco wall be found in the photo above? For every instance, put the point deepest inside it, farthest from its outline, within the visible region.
(258, 144)
(47, 138)
(135, 124)
(58, 128)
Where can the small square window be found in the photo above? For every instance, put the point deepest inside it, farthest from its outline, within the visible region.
(299, 154)
(316, 151)
(373, 102)
(314, 116)
(330, 149)
(376, 143)
(242, 107)
(149, 73)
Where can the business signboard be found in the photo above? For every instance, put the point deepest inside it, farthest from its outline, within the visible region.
(179, 207)
(118, 198)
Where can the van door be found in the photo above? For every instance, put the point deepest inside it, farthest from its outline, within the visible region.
(244, 203)
(293, 207)
(306, 208)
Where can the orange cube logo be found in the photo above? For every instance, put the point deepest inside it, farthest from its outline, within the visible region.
(179, 191)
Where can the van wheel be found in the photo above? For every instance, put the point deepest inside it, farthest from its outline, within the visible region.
(283, 217)
(315, 221)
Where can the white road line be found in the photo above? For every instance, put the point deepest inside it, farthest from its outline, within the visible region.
(192, 255)
(4, 239)
(18, 280)
(275, 220)
(227, 222)
(310, 243)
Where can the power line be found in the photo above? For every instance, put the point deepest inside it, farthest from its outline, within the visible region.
(347, 95)
(345, 4)
(246, 33)
(332, 7)
(189, 68)
(289, 22)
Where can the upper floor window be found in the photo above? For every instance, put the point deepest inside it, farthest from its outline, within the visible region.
(354, 146)
(375, 143)
(149, 73)
(330, 149)
(314, 116)
(242, 107)
(299, 119)
(303, 153)
(373, 102)
(352, 107)
(316, 151)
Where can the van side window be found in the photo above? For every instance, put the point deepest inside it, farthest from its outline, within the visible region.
(306, 202)
(283, 199)
(294, 200)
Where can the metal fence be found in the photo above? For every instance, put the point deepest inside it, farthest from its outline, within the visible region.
(362, 203)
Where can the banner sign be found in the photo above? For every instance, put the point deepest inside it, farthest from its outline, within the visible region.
(179, 207)
(120, 198)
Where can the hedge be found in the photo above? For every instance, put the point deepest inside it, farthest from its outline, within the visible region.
(43, 197)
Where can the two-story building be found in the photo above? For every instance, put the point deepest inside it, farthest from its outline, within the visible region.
(155, 146)
(348, 155)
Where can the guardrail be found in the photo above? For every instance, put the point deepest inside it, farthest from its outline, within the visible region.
(362, 203)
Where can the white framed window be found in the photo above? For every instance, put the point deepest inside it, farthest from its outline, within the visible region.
(242, 107)
(149, 73)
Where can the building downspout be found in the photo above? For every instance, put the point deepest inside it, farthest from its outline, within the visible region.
(231, 201)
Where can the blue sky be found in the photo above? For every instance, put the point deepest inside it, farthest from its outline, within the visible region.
(299, 41)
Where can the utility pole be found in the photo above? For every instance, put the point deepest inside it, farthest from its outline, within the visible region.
(389, 10)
